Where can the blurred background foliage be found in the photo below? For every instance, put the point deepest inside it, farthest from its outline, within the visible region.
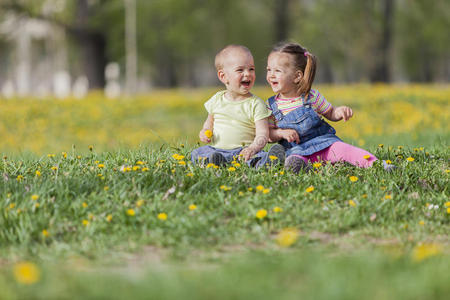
(355, 40)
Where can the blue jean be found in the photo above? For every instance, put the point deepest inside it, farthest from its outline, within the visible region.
(258, 160)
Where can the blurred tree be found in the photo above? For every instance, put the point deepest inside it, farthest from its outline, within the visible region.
(424, 41)
(75, 19)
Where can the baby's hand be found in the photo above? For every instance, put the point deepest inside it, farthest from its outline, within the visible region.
(247, 153)
(205, 135)
(290, 135)
(343, 112)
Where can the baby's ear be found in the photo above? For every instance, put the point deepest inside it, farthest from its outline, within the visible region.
(222, 77)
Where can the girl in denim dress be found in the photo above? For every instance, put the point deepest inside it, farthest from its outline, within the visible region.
(298, 111)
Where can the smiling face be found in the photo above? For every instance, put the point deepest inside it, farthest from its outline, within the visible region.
(282, 74)
(238, 73)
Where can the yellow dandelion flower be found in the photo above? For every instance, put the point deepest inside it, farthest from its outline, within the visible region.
(281, 172)
(364, 195)
(26, 273)
(37, 205)
(259, 188)
(45, 233)
(34, 197)
(140, 163)
(145, 169)
(162, 216)
(352, 203)
(421, 222)
(410, 159)
(100, 166)
(447, 204)
(173, 171)
(447, 171)
(109, 218)
(54, 168)
(423, 251)
(277, 209)
(78, 156)
(231, 169)
(12, 205)
(236, 164)
(131, 212)
(317, 165)
(208, 133)
(19, 178)
(250, 189)
(38, 173)
(135, 168)
(399, 147)
(178, 156)
(309, 189)
(448, 210)
(273, 157)
(64, 154)
(266, 191)
(91, 217)
(182, 162)
(380, 145)
(388, 162)
(241, 193)
(51, 155)
(261, 214)
(388, 197)
(85, 223)
(353, 178)
(287, 237)
(367, 156)
(105, 188)
(139, 203)
(84, 204)
(192, 207)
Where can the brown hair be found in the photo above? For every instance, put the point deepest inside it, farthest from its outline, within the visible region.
(220, 56)
(303, 61)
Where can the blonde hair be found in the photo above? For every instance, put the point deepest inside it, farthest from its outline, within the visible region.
(221, 55)
(304, 61)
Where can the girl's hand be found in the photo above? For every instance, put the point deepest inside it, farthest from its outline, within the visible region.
(290, 135)
(343, 113)
(205, 135)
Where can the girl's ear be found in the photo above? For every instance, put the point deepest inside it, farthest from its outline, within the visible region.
(222, 76)
(298, 76)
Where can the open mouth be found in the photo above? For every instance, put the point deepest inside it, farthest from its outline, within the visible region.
(246, 83)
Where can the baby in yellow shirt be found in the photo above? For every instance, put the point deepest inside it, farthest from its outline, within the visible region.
(237, 120)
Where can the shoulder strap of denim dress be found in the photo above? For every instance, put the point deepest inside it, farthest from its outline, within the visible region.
(275, 111)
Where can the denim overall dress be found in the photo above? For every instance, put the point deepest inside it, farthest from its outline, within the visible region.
(315, 134)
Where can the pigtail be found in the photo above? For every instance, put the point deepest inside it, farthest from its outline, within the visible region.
(309, 74)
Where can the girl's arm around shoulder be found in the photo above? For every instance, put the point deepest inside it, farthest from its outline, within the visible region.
(338, 113)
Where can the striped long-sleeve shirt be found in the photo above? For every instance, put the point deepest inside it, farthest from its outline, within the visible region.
(315, 99)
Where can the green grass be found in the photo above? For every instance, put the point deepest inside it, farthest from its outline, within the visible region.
(221, 250)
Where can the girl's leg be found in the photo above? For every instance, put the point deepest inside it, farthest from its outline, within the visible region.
(341, 151)
(296, 163)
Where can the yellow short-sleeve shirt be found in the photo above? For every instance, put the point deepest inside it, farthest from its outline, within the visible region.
(234, 121)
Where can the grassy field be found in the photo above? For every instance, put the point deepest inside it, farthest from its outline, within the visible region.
(98, 199)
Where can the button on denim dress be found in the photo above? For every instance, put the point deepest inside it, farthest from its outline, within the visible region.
(315, 134)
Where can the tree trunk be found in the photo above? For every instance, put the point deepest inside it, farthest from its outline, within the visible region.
(281, 20)
(381, 71)
(92, 45)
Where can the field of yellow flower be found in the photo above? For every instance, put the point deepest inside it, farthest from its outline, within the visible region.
(99, 199)
(409, 114)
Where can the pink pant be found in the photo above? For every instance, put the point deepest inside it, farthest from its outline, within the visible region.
(341, 151)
